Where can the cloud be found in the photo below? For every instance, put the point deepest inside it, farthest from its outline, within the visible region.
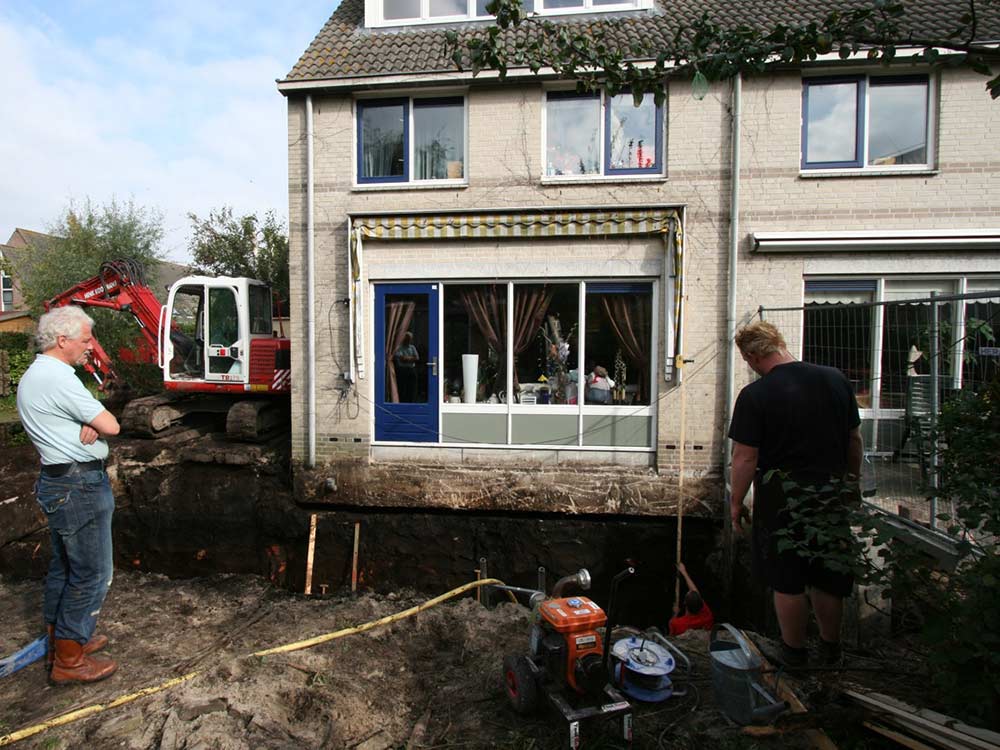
(172, 104)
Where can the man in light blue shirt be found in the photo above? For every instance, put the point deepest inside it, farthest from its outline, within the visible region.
(67, 426)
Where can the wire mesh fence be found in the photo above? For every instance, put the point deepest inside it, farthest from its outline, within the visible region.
(905, 359)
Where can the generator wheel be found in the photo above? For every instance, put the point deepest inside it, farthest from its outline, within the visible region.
(519, 683)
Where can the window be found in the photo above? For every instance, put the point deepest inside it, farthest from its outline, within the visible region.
(875, 122)
(410, 12)
(597, 134)
(260, 310)
(7, 285)
(546, 340)
(619, 328)
(475, 343)
(411, 140)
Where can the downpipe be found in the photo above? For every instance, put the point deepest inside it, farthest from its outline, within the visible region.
(310, 292)
(734, 245)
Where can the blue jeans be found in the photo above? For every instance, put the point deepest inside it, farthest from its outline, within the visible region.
(78, 507)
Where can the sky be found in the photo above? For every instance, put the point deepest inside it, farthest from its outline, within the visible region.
(171, 104)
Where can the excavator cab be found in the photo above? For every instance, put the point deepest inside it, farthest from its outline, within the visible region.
(212, 324)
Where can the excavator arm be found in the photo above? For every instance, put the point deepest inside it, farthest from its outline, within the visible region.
(119, 285)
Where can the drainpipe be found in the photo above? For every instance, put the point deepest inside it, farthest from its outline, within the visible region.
(310, 296)
(734, 246)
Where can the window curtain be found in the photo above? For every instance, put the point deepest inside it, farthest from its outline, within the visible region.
(628, 323)
(398, 316)
(483, 307)
(530, 308)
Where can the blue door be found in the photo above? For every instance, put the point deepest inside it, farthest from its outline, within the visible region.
(406, 362)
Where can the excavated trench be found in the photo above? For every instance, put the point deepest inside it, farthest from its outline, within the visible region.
(203, 507)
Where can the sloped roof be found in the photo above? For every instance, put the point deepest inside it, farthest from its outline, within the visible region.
(344, 48)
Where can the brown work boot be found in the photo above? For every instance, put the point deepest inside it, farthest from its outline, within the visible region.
(96, 643)
(72, 665)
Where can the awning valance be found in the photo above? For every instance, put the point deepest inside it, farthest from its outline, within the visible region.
(534, 224)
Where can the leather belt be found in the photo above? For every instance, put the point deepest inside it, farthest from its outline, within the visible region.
(61, 470)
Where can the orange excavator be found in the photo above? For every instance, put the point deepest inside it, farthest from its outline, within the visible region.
(213, 341)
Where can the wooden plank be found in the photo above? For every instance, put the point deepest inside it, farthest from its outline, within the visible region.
(310, 553)
(781, 689)
(897, 737)
(354, 561)
(929, 724)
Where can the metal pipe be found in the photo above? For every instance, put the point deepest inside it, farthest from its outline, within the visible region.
(935, 376)
(581, 578)
(734, 246)
(310, 292)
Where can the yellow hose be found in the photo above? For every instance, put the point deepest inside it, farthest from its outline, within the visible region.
(82, 713)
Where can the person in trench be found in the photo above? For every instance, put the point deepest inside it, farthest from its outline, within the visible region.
(68, 427)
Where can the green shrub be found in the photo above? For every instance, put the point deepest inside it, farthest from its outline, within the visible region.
(12, 341)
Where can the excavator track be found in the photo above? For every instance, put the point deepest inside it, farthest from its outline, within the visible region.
(256, 420)
(151, 416)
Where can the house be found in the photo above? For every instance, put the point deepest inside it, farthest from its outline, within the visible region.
(510, 295)
(16, 263)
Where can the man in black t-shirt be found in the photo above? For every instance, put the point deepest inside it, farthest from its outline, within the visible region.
(802, 420)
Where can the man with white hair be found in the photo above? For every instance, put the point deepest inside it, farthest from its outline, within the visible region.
(67, 426)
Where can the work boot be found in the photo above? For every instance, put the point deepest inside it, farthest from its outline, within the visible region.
(830, 654)
(73, 665)
(793, 659)
(96, 643)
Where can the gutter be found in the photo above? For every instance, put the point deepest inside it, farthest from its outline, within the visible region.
(734, 246)
(310, 291)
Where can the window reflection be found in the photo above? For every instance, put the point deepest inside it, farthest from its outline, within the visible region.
(897, 123)
(831, 129)
(406, 342)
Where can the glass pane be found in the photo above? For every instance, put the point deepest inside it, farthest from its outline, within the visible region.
(981, 359)
(260, 310)
(406, 344)
(8, 282)
(572, 137)
(906, 349)
(527, 5)
(618, 346)
(8, 298)
(475, 343)
(545, 341)
(186, 332)
(553, 4)
(613, 2)
(841, 336)
(382, 140)
(633, 133)
(897, 123)
(831, 122)
(448, 8)
(439, 140)
(223, 329)
(393, 9)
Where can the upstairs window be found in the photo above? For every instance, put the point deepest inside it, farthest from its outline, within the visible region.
(601, 135)
(7, 284)
(411, 140)
(866, 122)
(413, 12)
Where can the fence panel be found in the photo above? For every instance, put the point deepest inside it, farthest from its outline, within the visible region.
(905, 358)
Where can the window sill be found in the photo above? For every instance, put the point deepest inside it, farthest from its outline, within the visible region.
(378, 187)
(603, 180)
(809, 174)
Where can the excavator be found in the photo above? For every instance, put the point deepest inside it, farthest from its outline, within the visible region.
(213, 341)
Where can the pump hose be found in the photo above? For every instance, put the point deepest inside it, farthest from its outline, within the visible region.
(96, 708)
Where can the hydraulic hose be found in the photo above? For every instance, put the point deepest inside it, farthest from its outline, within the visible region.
(82, 713)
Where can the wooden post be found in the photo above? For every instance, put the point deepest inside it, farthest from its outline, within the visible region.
(309, 554)
(354, 563)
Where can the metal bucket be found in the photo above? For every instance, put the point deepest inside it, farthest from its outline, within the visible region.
(736, 672)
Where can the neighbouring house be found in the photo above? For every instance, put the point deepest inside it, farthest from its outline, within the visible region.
(510, 295)
(15, 257)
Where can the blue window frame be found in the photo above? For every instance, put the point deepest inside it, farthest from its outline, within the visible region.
(406, 139)
(596, 134)
(865, 121)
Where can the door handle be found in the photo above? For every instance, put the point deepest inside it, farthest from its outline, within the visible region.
(433, 364)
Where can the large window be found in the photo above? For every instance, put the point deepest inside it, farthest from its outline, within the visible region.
(411, 140)
(597, 134)
(875, 122)
(410, 12)
(475, 343)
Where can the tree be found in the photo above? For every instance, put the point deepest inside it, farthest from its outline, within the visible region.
(228, 245)
(709, 51)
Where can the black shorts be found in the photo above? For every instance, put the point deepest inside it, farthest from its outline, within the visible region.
(787, 572)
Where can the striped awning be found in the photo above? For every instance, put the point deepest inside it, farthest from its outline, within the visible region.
(534, 224)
